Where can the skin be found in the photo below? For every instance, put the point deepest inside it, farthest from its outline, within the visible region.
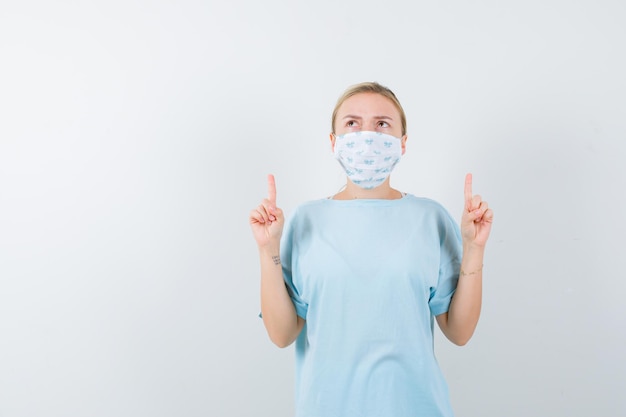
(371, 112)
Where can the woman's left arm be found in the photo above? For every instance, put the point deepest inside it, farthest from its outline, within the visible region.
(459, 323)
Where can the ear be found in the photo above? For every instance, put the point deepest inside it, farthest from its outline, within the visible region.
(403, 142)
(333, 138)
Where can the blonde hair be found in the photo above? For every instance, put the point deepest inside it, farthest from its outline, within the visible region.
(369, 87)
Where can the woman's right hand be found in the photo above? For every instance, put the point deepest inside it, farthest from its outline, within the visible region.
(267, 220)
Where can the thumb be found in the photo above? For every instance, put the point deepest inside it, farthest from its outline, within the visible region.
(474, 215)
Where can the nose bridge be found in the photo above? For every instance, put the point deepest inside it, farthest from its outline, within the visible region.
(369, 123)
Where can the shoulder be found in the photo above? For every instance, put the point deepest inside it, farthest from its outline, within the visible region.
(309, 207)
(427, 204)
(431, 209)
(306, 210)
(423, 202)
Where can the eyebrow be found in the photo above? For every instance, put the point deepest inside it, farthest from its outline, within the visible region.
(352, 116)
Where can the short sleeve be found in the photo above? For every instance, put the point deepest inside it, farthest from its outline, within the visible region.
(288, 256)
(450, 255)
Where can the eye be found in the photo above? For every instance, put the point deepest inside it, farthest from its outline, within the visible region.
(351, 123)
(383, 124)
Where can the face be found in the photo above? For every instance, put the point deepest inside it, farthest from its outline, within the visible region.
(369, 112)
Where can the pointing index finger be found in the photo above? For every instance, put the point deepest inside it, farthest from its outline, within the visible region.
(468, 192)
(271, 189)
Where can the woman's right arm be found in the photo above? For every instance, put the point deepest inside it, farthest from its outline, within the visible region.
(282, 323)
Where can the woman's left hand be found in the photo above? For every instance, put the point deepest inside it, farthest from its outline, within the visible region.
(477, 217)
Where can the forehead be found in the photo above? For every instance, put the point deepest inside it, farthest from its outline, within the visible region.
(368, 103)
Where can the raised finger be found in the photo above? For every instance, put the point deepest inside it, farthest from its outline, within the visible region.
(468, 192)
(271, 189)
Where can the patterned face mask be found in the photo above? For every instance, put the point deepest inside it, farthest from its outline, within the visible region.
(368, 157)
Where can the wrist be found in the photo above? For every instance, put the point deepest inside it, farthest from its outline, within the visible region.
(476, 271)
(269, 250)
(472, 261)
(473, 250)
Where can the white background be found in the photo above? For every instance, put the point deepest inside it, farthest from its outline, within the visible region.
(135, 136)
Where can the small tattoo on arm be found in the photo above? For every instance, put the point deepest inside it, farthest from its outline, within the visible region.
(276, 260)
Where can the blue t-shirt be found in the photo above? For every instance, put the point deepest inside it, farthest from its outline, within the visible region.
(369, 276)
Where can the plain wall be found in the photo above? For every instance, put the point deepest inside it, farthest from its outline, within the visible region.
(136, 136)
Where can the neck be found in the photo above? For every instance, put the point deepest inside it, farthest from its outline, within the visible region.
(382, 192)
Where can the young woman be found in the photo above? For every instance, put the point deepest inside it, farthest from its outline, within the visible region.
(357, 278)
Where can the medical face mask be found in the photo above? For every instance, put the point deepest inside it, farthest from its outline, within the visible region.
(368, 157)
